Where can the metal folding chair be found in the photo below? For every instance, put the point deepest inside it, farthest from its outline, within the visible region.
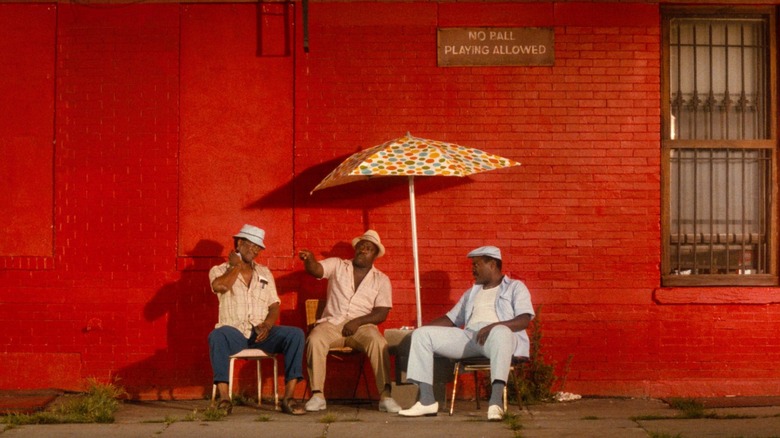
(256, 355)
(482, 364)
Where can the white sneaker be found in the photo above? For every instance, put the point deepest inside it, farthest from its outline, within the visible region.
(495, 413)
(316, 403)
(418, 410)
(387, 404)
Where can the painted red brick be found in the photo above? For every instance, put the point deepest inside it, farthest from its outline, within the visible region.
(578, 221)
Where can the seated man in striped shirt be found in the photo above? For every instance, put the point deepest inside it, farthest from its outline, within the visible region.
(248, 310)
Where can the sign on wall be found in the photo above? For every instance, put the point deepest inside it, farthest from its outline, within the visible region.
(496, 46)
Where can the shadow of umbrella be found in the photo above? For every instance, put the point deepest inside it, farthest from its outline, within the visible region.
(365, 195)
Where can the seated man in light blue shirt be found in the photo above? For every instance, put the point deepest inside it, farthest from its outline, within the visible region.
(494, 314)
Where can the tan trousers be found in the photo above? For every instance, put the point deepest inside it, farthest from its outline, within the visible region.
(367, 339)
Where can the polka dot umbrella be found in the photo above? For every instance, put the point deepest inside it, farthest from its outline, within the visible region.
(412, 156)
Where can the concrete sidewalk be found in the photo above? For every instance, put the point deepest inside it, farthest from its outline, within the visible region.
(588, 417)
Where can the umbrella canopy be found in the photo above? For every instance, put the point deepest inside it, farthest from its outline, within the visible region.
(413, 156)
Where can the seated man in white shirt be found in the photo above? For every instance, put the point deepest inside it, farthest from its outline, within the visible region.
(359, 298)
(494, 314)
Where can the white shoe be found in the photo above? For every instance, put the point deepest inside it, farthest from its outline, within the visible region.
(316, 403)
(387, 404)
(495, 413)
(418, 410)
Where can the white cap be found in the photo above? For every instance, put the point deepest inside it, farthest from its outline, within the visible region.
(486, 251)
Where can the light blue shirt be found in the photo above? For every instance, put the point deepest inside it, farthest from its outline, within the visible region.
(513, 299)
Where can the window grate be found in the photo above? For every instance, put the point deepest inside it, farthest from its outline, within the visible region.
(718, 85)
(719, 223)
(719, 170)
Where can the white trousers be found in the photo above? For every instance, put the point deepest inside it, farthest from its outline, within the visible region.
(456, 343)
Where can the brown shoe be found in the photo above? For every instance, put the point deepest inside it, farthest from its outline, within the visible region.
(225, 405)
(289, 407)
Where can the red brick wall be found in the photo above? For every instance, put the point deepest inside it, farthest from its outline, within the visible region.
(115, 191)
(27, 56)
(236, 124)
(126, 291)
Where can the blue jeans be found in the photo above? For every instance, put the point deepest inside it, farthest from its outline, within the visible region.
(226, 340)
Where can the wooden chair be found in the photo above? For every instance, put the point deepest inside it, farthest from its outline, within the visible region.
(314, 310)
(256, 355)
(482, 364)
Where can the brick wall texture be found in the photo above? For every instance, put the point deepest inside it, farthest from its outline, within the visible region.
(140, 211)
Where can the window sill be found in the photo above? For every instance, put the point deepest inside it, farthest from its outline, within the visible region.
(755, 280)
(717, 295)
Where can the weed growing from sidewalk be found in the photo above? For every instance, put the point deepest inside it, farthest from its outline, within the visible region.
(263, 418)
(535, 379)
(512, 422)
(690, 409)
(332, 418)
(664, 435)
(192, 416)
(98, 405)
(328, 418)
(213, 414)
(694, 409)
(242, 400)
(652, 417)
(208, 414)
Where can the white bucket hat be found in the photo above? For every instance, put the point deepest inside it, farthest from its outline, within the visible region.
(373, 237)
(252, 234)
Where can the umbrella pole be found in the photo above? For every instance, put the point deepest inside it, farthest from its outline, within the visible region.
(414, 251)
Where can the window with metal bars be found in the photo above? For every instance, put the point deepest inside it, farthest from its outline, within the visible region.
(718, 145)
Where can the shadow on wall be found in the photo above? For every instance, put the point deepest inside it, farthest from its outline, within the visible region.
(365, 195)
(435, 291)
(182, 370)
(306, 286)
(436, 294)
(190, 309)
(341, 371)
